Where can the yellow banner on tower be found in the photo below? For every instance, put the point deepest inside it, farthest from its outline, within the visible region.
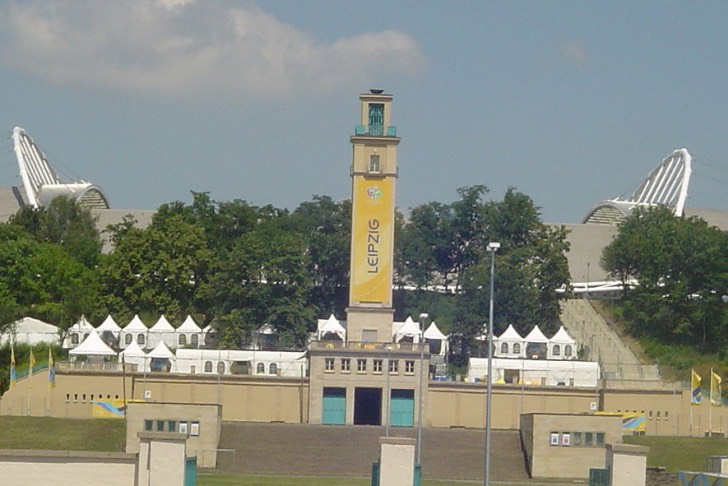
(373, 229)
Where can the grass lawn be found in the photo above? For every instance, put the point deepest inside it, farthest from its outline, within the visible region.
(253, 480)
(680, 453)
(62, 434)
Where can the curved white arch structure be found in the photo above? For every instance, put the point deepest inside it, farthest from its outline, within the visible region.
(667, 185)
(41, 183)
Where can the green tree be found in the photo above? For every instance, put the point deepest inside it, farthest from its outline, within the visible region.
(262, 280)
(65, 223)
(681, 277)
(157, 269)
(325, 227)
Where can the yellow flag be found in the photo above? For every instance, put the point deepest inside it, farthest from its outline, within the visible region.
(13, 377)
(696, 389)
(716, 397)
(32, 363)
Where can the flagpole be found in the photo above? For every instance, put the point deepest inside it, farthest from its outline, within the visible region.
(710, 409)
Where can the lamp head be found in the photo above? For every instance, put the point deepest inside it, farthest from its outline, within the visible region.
(424, 316)
(493, 246)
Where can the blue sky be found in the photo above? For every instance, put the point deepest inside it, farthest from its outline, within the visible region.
(570, 102)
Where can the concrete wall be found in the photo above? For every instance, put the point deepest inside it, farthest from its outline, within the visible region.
(201, 442)
(67, 468)
(71, 398)
(666, 406)
(244, 398)
(463, 404)
(552, 449)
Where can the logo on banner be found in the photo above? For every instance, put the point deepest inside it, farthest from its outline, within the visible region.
(374, 193)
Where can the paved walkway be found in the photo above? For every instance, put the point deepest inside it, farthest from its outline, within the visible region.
(600, 343)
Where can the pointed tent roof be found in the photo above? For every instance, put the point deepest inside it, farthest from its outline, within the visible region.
(133, 351)
(162, 325)
(93, 346)
(331, 325)
(562, 337)
(136, 325)
(161, 351)
(510, 334)
(433, 332)
(409, 329)
(536, 336)
(109, 324)
(81, 326)
(189, 325)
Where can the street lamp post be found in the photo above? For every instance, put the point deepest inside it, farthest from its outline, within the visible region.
(492, 248)
(423, 317)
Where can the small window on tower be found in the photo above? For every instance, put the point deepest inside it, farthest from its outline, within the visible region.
(374, 163)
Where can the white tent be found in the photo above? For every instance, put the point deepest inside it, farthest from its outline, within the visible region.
(264, 337)
(535, 372)
(29, 330)
(330, 327)
(242, 362)
(189, 333)
(135, 355)
(436, 339)
(536, 344)
(408, 329)
(162, 359)
(162, 331)
(562, 346)
(137, 331)
(206, 332)
(510, 344)
(109, 325)
(109, 331)
(77, 333)
(92, 346)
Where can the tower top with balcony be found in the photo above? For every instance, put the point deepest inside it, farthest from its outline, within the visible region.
(374, 173)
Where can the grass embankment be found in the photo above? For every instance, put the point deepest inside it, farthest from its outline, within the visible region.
(675, 360)
(62, 434)
(680, 453)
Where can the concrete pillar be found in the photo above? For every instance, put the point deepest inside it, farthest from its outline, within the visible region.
(628, 464)
(396, 461)
(162, 458)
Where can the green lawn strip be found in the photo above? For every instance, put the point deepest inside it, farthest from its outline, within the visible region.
(680, 453)
(212, 479)
(62, 434)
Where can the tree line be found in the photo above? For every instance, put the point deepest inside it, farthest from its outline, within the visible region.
(237, 266)
(680, 265)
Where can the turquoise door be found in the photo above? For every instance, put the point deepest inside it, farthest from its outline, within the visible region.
(334, 406)
(402, 408)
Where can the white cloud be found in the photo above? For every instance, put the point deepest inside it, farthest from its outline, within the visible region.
(575, 52)
(183, 47)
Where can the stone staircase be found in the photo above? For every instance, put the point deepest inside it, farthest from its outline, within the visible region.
(598, 342)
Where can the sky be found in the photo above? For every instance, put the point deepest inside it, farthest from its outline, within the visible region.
(569, 102)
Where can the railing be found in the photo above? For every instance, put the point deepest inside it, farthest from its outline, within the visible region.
(96, 366)
(376, 130)
(365, 346)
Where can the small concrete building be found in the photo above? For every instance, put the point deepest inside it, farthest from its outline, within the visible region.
(198, 423)
(567, 445)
